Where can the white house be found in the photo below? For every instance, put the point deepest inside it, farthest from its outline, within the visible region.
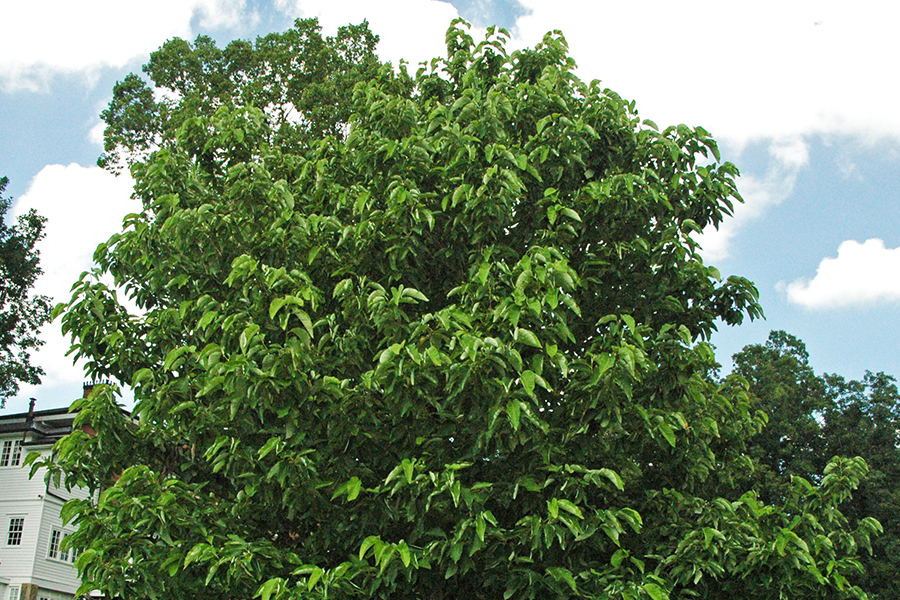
(32, 564)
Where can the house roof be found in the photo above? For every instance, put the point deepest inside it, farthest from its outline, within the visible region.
(46, 426)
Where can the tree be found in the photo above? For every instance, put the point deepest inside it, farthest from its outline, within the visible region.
(301, 81)
(862, 418)
(792, 396)
(21, 314)
(813, 418)
(452, 346)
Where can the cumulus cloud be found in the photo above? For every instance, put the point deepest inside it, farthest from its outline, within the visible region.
(412, 30)
(759, 194)
(43, 39)
(861, 274)
(743, 70)
(84, 206)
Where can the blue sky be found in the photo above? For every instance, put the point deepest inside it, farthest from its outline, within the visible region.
(801, 96)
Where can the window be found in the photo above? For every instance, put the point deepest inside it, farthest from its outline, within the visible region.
(16, 526)
(55, 539)
(55, 549)
(11, 453)
(13, 593)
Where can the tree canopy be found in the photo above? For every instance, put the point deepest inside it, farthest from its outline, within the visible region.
(21, 313)
(812, 418)
(450, 341)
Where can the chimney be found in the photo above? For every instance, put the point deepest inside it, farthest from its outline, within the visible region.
(29, 418)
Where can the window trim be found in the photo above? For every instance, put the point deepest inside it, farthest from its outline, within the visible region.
(10, 453)
(67, 556)
(15, 530)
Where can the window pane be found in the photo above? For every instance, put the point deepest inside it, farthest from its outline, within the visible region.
(4, 455)
(16, 525)
(55, 536)
(16, 453)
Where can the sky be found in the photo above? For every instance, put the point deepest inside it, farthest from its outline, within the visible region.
(801, 96)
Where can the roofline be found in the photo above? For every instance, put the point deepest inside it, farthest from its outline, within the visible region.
(49, 412)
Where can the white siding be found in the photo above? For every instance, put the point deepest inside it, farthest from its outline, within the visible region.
(17, 561)
(14, 481)
(62, 573)
(30, 498)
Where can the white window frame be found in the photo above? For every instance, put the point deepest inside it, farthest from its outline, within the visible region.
(14, 593)
(53, 548)
(57, 553)
(11, 453)
(18, 532)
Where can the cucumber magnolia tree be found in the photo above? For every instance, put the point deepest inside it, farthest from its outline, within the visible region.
(450, 345)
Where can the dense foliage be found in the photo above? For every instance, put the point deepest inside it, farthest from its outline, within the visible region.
(450, 343)
(813, 418)
(21, 313)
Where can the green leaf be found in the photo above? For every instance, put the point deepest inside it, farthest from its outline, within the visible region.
(361, 201)
(527, 337)
(369, 542)
(667, 432)
(514, 410)
(173, 357)
(435, 355)
(275, 306)
(200, 552)
(269, 588)
(350, 488)
(655, 592)
(304, 320)
(527, 378)
(314, 578)
(404, 552)
(571, 508)
(561, 574)
(480, 526)
(614, 478)
(553, 508)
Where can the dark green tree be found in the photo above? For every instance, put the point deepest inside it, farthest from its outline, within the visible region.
(813, 418)
(21, 313)
(449, 342)
(792, 396)
(300, 80)
(862, 418)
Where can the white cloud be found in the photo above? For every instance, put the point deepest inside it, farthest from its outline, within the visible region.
(84, 206)
(861, 274)
(759, 194)
(43, 39)
(95, 135)
(409, 29)
(743, 70)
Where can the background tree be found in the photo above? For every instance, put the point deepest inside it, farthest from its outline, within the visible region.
(21, 314)
(454, 349)
(814, 418)
(792, 396)
(300, 80)
(862, 418)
